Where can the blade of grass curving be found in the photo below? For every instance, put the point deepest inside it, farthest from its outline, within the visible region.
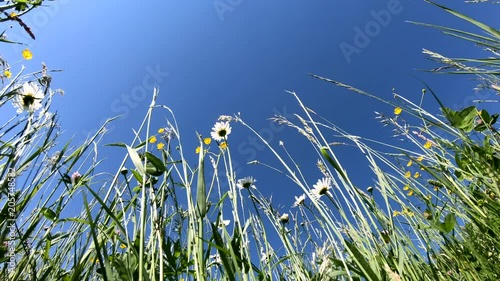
(483, 26)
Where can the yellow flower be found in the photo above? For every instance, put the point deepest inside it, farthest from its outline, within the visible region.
(161, 130)
(428, 144)
(410, 193)
(13, 15)
(152, 139)
(409, 163)
(420, 158)
(223, 145)
(407, 175)
(207, 141)
(27, 55)
(160, 146)
(397, 110)
(395, 213)
(123, 246)
(7, 73)
(198, 150)
(406, 187)
(416, 175)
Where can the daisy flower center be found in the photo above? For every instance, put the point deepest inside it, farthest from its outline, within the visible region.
(323, 190)
(222, 133)
(246, 184)
(28, 99)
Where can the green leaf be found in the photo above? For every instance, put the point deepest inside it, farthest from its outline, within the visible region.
(136, 160)
(463, 120)
(49, 214)
(155, 166)
(449, 223)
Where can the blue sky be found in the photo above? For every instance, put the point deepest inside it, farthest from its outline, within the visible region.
(222, 57)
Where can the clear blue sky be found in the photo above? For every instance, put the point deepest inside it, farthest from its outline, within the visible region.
(224, 57)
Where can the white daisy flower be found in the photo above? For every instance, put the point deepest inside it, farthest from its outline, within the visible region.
(223, 223)
(246, 183)
(29, 98)
(321, 187)
(284, 218)
(299, 200)
(220, 131)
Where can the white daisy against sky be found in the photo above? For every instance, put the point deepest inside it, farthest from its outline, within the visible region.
(299, 200)
(28, 98)
(321, 188)
(245, 183)
(220, 131)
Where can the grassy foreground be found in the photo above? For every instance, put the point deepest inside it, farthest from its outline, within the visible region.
(433, 212)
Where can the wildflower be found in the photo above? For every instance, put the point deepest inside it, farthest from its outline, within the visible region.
(75, 178)
(12, 15)
(198, 149)
(410, 193)
(396, 213)
(406, 187)
(7, 74)
(223, 223)
(123, 246)
(246, 183)
(216, 259)
(416, 175)
(397, 110)
(207, 141)
(321, 187)
(160, 146)
(223, 145)
(220, 131)
(27, 55)
(152, 139)
(409, 163)
(284, 218)
(408, 174)
(29, 98)
(167, 133)
(299, 200)
(428, 144)
(420, 158)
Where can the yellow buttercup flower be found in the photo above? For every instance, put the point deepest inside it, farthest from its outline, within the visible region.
(223, 145)
(160, 146)
(409, 163)
(198, 150)
(406, 187)
(7, 73)
(397, 110)
(420, 158)
(410, 193)
(395, 213)
(416, 175)
(207, 141)
(428, 144)
(12, 15)
(161, 130)
(27, 55)
(407, 175)
(123, 246)
(152, 139)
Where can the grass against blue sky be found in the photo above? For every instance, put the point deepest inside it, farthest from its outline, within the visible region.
(216, 58)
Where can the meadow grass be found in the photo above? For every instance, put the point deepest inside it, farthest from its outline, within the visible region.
(432, 213)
